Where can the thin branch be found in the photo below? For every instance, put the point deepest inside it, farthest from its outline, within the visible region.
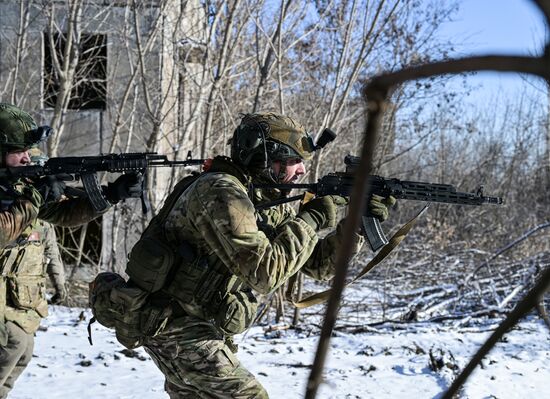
(499, 252)
(376, 107)
(376, 93)
(529, 302)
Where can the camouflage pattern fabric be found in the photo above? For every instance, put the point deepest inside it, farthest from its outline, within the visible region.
(69, 213)
(15, 355)
(263, 250)
(22, 268)
(198, 363)
(52, 258)
(17, 212)
(320, 265)
(15, 126)
(21, 205)
(278, 128)
(216, 215)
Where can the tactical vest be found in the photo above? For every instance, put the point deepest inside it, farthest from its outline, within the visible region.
(23, 279)
(200, 283)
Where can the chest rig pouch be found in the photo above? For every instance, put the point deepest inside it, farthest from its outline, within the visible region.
(152, 258)
(23, 281)
(206, 289)
(130, 311)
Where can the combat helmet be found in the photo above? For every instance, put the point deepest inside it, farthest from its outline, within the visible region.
(265, 137)
(37, 156)
(18, 130)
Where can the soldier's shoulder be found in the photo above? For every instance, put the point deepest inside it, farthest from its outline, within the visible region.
(211, 189)
(218, 180)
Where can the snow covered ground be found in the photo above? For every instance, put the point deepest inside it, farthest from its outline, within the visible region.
(390, 362)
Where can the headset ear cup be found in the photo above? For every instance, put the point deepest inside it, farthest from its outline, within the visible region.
(250, 141)
(248, 144)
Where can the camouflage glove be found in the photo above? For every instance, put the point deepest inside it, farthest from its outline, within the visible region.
(379, 206)
(60, 295)
(129, 185)
(51, 188)
(320, 212)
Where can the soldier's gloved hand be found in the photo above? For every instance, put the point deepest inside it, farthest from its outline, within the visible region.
(60, 295)
(320, 212)
(129, 185)
(51, 188)
(379, 206)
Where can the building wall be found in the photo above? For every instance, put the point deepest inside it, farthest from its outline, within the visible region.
(144, 73)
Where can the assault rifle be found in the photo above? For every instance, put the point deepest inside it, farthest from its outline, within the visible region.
(86, 168)
(341, 183)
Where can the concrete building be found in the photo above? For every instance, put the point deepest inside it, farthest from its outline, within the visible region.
(108, 76)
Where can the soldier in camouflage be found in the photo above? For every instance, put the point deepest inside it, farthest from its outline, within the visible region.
(229, 252)
(22, 238)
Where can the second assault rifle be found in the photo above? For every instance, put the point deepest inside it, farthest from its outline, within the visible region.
(341, 183)
(86, 168)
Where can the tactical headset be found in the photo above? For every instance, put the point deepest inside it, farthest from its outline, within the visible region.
(249, 146)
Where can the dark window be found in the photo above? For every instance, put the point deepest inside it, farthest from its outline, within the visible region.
(90, 82)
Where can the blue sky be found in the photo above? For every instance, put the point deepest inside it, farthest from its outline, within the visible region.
(497, 27)
(501, 26)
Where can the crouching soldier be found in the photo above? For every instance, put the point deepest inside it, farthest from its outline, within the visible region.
(205, 256)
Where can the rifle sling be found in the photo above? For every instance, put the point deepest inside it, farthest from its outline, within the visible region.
(399, 236)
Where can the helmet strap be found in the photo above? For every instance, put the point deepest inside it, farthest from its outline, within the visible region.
(282, 172)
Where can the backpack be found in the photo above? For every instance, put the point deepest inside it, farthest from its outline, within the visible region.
(126, 308)
(153, 260)
(178, 271)
(132, 308)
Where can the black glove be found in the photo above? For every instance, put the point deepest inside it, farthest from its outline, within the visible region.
(51, 187)
(129, 185)
(320, 212)
(60, 295)
(379, 206)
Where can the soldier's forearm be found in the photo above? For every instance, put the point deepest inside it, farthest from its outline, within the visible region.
(15, 220)
(69, 213)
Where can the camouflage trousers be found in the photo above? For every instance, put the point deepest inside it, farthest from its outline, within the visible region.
(198, 363)
(14, 357)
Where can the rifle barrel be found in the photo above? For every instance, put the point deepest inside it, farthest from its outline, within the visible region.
(178, 163)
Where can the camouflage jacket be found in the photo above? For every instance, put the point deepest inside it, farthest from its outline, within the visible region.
(22, 240)
(17, 212)
(260, 249)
